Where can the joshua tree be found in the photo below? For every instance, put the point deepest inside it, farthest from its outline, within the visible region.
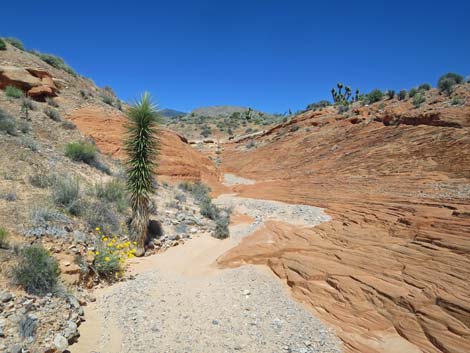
(142, 146)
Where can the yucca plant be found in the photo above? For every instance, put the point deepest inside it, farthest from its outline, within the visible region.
(142, 147)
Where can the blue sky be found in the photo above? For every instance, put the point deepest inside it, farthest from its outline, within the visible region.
(269, 55)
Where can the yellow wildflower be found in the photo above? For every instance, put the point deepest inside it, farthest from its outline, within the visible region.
(97, 253)
(107, 259)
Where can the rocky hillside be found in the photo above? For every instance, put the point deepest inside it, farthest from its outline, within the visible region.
(390, 271)
(62, 189)
(222, 122)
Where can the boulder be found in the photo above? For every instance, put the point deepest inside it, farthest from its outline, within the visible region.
(18, 77)
(37, 83)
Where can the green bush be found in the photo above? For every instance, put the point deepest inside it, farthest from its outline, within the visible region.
(66, 193)
(424, 87)
(221, 227)
(3, 46)
(391, 94)
(208, 209)
(402, 95)
(29, 142)
(28, 103)
(413, 92)
(7, 123)
(100, 215)
(53, 114)
(4, 238)
(81, 151)
(457, 101)
(42, 180)
(37, 271)
(56, 62)
(374, 96)
(447, 82)
(113, 191)
(106, 98)
(418, 99)
(15, 42)
(13, 92)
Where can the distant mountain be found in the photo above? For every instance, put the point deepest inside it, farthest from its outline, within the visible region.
(171, 113)
(218, 111)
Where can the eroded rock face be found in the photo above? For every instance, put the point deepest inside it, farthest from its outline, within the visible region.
(177, 159)
(391, 270)
(37, 83)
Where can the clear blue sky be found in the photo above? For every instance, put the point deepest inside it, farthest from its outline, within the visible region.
(270, 55)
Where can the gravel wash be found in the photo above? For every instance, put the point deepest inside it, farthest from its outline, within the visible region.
(237, 310)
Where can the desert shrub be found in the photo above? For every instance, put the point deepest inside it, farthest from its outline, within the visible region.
(85, 94)
(221, 227)
(56, 62)
(66, 193)
(81, 151)
(424, 87)
(447, 82)
(7, 123)
(206, 131)
(9, 196)
(42, 180)
(24, 126)
(113, 191)
(13, 92)
(208, 209)
(180, 197)
(53, 114)
(50, 101)
(37, 271)
(15, 42)
(374, 96)
(27, 326)
(29, 142)
(391, 94)
(198, 190)
(413, 92)
(4, 244)
(457, 101)
(28, 103)
(100, 215)
(418, 99)
(3, 46)
(402, 95)
(45, 214)
(106, 98)
(68, 125)
(342, 109)
(110, 257)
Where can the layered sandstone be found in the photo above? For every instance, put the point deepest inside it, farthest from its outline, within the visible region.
(391, 270)
(177, 159)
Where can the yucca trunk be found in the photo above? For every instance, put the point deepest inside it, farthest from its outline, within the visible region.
(138, 226)
(141, 145)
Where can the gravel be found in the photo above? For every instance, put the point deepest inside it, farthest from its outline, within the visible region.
(237, 310)
(264, 210)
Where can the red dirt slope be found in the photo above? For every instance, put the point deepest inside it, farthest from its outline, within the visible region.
(391, 270)
(177, 160)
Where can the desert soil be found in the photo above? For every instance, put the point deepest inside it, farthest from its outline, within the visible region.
(179, 301)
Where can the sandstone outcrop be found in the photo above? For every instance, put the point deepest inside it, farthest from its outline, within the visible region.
(37, 83)
(391, 270)
(178, 161)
